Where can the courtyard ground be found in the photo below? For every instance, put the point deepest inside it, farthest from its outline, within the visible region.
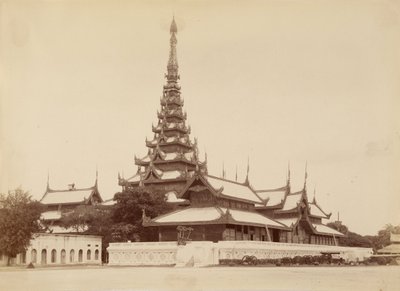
(376, 278)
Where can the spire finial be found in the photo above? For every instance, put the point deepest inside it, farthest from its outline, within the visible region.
(248, 170)
(97, 177)
(172, 67)
(173, 28)
(288, 173)
(305, 178)
(236, 174)
(223, 169)
(48, 180)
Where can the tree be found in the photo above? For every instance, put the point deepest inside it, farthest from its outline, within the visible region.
(19, 220)
(80, 218)
(120, 222)
(383, 238)
(128, 211)
(351, 239)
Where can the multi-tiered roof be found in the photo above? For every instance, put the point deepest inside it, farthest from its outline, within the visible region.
(172, 157)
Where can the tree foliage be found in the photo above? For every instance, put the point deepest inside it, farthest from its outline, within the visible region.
(351, 239)
(121, 222)
(19, 220)
(383, 238)
(128, 212)
(80, 218)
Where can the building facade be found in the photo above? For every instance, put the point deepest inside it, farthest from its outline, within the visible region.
(172, 156)
(212, 208)
(59, 249)
(59, 202)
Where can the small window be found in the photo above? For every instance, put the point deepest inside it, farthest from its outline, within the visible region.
(80, 256)
(33, 256)
(71, 256)
(96, 255)
(53, 256)
(63, 255)
(88, 255)
(43, 260)
(23, 258)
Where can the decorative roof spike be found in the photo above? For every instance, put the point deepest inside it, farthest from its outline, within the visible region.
(247, 182)
(173, 28)
(305, 178)
(172, 67)
(97, 177)
(48, 180)
(223, 170)
(288, 174)
(236, 174)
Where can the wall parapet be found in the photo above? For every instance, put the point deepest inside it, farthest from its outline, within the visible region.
(209, 253)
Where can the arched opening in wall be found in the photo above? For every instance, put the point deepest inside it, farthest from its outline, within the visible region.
(43, 260)
(63, 255)
(53, 256)
(96, 255)
(88, 255)
(80, 256)
(23, 258)
(71, 256)
(33, 256)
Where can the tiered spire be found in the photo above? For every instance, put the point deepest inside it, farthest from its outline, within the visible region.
(171, 148)
(172, 67)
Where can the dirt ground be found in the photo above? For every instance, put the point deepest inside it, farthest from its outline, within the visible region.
(376, 278)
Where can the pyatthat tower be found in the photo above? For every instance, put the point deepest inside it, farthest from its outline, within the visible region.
(172, 157)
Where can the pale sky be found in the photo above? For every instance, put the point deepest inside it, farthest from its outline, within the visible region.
(275, 81)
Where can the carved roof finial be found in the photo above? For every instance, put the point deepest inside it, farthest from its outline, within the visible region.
(97, 177)
(48, 180)
(236, 174)
(173, 28)
(305, 178)
(248, 170)
(172, 67)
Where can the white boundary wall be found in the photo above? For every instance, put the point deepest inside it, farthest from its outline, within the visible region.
(208, 253)
(59, 249)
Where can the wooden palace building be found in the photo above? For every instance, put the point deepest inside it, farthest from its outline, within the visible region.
(215, 208)
(60, 202)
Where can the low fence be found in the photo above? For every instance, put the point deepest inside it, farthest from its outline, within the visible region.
(208, 253)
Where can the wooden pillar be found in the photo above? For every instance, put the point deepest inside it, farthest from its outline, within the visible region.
(159, 234)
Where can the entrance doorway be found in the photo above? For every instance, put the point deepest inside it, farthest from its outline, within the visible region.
(43, 260)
